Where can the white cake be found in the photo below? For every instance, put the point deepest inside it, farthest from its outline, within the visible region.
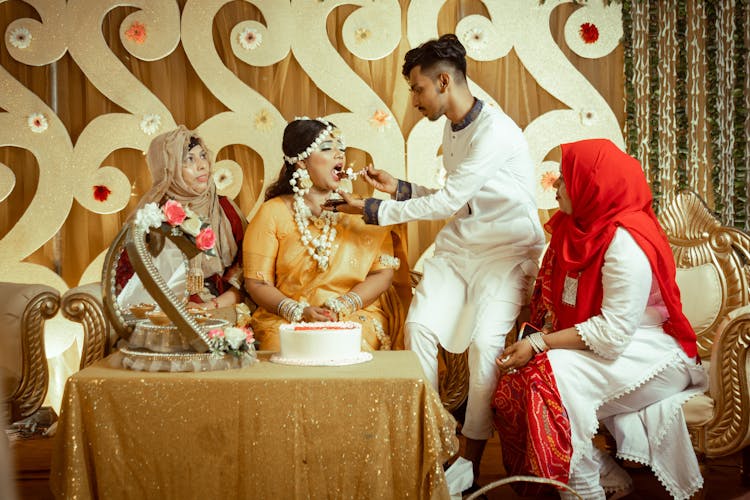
(325, 343)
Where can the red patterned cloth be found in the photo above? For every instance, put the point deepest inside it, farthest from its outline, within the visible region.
(533, 425)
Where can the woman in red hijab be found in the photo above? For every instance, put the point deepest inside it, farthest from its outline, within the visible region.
(620, 349)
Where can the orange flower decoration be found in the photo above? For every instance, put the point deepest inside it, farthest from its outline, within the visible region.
(136, 33)
(380, 119)
(548, 179)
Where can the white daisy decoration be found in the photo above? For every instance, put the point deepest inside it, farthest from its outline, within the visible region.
(588, 117)
(223, 178)
(362, 34)
(20, 38)
(37, 122)
(150, 124)
(250, 38)
(475, 39)
(263, 120)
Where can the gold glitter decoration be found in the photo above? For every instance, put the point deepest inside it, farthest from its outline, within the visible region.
(373, 430)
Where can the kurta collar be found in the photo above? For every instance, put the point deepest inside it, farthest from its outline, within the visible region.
(470, 116)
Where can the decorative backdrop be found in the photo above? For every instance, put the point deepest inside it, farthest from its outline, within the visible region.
(86, 84)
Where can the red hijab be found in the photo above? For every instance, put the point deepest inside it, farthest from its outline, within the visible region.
(607, 190)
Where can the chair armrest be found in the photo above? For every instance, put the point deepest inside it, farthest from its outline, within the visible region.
(83, 304)
(23, 362)
(727, 432)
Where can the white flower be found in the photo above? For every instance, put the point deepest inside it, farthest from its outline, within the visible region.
(191, 225)
(37, 122)
(149, 216)
(234, 336)
(150, 124)
(475, 39)
(362, 34)
(588, 117)
(263, 120)
(250, 39)
(189, 214)
(223, 178)
(20, 38)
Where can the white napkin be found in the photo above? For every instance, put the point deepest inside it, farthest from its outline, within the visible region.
(459, 476)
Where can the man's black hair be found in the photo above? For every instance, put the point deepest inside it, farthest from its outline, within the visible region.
(435, 55)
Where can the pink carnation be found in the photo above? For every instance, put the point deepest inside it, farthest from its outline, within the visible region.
(174, 212)
(216, 332)
(206, 239)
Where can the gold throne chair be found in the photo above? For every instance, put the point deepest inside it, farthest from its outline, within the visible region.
(713, 274)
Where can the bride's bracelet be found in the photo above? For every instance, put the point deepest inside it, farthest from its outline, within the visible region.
(291, 310)
(345, 304)
(537, 343)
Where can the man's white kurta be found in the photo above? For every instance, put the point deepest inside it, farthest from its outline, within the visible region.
(493, 236)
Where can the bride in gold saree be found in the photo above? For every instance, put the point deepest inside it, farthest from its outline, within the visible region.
(304, 263)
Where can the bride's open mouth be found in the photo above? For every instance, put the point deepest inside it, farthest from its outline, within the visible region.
(338, 171)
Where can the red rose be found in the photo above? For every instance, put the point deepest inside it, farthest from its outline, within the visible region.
(101, 193)
(206, 239)
(174, 212)
(589, 33)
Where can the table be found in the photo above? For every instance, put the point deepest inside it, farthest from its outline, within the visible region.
(373, 430)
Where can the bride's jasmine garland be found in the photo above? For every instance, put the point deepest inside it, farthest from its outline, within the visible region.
(318, 247)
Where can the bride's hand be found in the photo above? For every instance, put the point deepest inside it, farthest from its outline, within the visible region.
(312, 314)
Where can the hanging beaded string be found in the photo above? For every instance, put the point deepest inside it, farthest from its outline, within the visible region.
(318, 247)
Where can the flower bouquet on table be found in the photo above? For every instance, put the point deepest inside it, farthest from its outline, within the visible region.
(174, 219)
(239, 342)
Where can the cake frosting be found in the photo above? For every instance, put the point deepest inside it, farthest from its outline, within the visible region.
(324, 343)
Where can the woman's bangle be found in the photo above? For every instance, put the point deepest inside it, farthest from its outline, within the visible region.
(344, 305)
(215, 302)
(537, 343)
(291, 310)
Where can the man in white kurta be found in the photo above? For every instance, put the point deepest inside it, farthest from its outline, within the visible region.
(486, 256)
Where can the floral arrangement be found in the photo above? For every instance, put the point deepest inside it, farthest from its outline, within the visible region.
(179, 220)
(231, 340)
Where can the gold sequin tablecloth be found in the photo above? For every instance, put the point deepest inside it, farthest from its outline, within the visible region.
(373, 430)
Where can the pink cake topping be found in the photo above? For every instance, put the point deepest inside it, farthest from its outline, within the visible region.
(300, 327)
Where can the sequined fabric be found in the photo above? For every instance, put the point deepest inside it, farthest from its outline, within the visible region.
(374, 430)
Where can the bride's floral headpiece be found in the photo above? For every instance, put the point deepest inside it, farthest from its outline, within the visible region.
(315, 144)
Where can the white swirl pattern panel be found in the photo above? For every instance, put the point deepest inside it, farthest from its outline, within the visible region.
(371, 31)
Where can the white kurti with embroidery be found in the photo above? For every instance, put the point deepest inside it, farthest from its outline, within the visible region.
(493, 229)
(628, 348)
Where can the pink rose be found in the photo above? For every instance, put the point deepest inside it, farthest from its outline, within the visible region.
(206, 239)
(174, 212)
(216, 332)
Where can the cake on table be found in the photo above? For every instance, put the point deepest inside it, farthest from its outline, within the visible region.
(321, 344)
